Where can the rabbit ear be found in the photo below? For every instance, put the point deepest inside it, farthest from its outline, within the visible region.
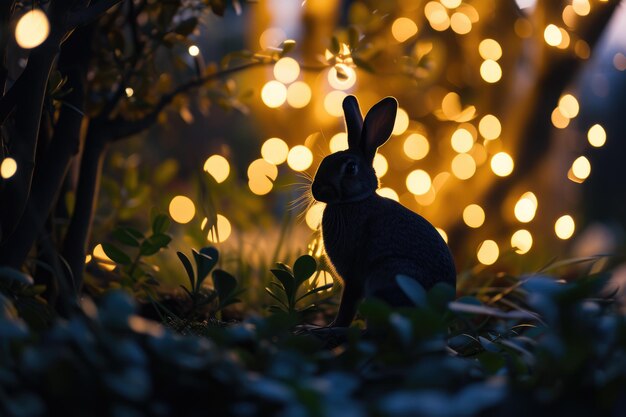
(354, 121)
(378, 125)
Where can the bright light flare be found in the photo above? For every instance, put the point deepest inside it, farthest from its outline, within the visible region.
(474, 215)
(299, 158)
(286, 70)
(8, 168)
(182, 210)
(564, 227)
(221, 231)
(218, 167)
(488, 252)
(403, 29)
(418, 182)
(502, 164)
(596, 136)
(32, 29)
(416, 146)
(522, 241)
(274, 94)
(299, 94)
(490, 71)
(274, 151)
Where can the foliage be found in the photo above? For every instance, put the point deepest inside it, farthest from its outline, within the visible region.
(560, 352)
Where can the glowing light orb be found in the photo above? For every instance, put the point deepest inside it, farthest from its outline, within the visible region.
(341, 77)
(260, 185)
(451, 4)
(298, 94)
(218, 167)
(461, 23)
(490, 49)
(403, 28)
(333, 102)
(564, 227)
(522, 241)
(339, 142)
(388, 193)
(274, 151)
(221, 231)
(418, 182)
(443, 234)
(463, 166)
(462, 140)
(502, 164)
(401, 123)
(552, 35)
(526, 207)
(105, 262)
(596, 136)
(261, 169)
(286, 70)
(8, 168)
(313, 216)
(581, 7)
(182, 210)
(490, 127)
(474, 215)
(581, 167)
(194, 50)
(299, 158)
(416, 146)
(488, 252)
(380, 165)
(274, 94)
(271, 38)
(568, 105)
(32, 29)
(490, 71)
(129, 92)
(559, 120)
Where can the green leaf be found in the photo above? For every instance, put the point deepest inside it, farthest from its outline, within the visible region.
(304, 267)
(284, 267)
(364, 65)
(187, 264)
(287, 280)
(160, 224)
(287, 46)
(116, 254)
(225, 285)
(206, 260)
(124, 236)
(275, 297)
(315, 291)
(412, 289)
(154, 244)
(187, 26)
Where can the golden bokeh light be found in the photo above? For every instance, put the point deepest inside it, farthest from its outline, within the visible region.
(339, 142)
(581, 7)
(194, 50)
(104, 261)
(272, 38)
(581, 168)
(262, 169)
(274, 94)
(260, 185)
(418, 182)
(286, 70)
(221, 231)
(490, 71)
(522, 241)
(437, 16)
(129, 92)
(502, 164)
(490, 49)
(451, 4)
(402, 122)
(32, 29)
(313, 215)
(488, 252)
(380, 165)
(8, 168)
(565, 39)
(403, 29)
(582, 49)
(564, 227)
(299, 94)
(416, 146)
(274, 151)
(490, 127)
(182, 210)
(341, 77)
(451, 105)
(559, 120)
(569, 16)
(333, 103)
(552, 35)
(299, 158)
(526, 208)
(218, 167)
(388, 193)
(596, 136)
(462, 140)
(442, 233)
(463, 166)
(460, 23)
(474, 215)
(568, 106)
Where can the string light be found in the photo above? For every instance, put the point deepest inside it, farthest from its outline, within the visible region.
(274, 94)
(274, 151)
(299, 94)
(418, 182)
(403, 29)
(8, 168)
(596, 136)
(221, 231)
(402, 122)
(182, 210)
(490, 71)
(502, 164)
(488, 252)
(474, 215)
(338, 142)
(416, 146)
(194, 50)
(286, 70)
(32, 29)
(299, 158)
(218, 167)
(564, 227)
(522, 241)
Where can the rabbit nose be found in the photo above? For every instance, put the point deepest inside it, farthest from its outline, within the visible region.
(324, 192)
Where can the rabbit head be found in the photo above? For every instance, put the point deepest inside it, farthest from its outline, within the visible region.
(348, 176)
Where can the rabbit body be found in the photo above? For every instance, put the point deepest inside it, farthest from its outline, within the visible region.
(370, 239)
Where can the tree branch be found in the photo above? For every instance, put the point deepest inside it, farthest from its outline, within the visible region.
(91, 13)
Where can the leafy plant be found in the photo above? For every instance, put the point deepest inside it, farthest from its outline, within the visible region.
(135, 273)
(225, 289)
(288, 289)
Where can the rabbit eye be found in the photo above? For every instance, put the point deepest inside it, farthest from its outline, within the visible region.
(352, 168)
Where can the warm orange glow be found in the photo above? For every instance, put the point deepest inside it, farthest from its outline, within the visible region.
(341, 77)
(314, 214)
(182, 210)
(388, 193)
(104, 261)
(526, 207)
(416, 146)
(338, 142)
(460, 23)
(274, 94)
(299, 158)
(522, 241)
(463, 166)
(490, 127)
(286, 70)
(217, 166)
(221, 231)
(8, 168)
(32, 29)
(581, 7)
(403, 29)
(552, 35)
(581, 168)
(402, 122)
(443, 234)
(559, 120)
(299, 94)
(333, 102)
(271, 38)
(462, 141)
(474, 215)
(274, 151)
(490, 71)
(568, 106)
(502, 164)
(564, 227)
(193, 50)
(418, 182)
(488, 252)
(596, 136)
(380, 165)
(490, 49)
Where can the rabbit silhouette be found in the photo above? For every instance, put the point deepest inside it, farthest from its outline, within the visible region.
(369, 239)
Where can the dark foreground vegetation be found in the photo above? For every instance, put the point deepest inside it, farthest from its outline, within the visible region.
(505, 345)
